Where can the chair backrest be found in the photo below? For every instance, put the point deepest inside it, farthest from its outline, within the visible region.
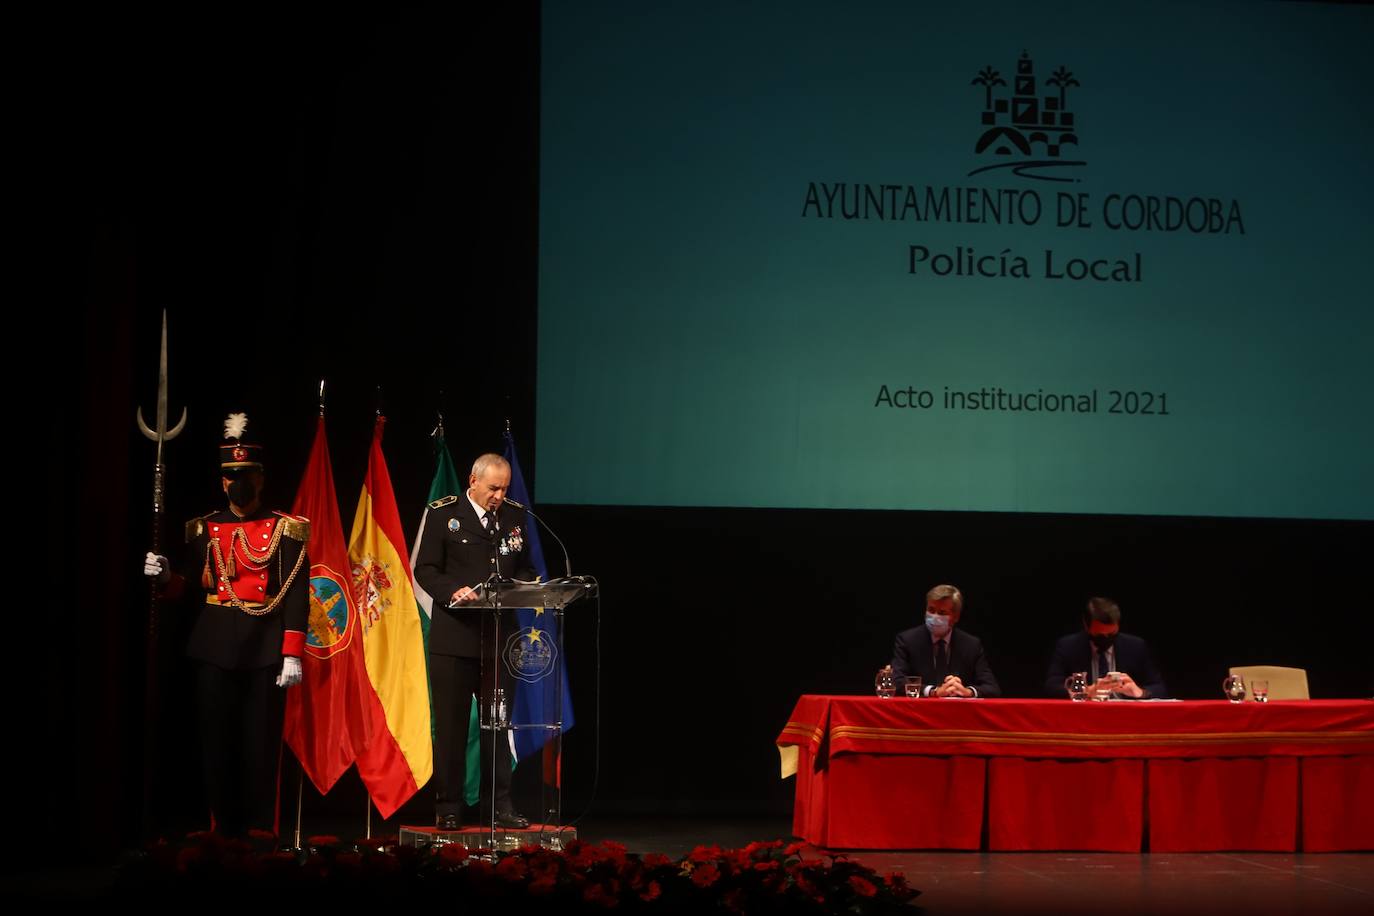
(1284, 683)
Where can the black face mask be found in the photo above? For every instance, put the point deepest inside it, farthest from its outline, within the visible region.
(242, 491)
(1103, 643)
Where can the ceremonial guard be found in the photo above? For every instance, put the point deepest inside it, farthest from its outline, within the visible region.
(247, 580)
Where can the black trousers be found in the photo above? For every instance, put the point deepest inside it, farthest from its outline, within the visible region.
(240, 737)
(454, 681)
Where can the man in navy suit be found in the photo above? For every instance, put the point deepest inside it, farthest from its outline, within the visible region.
(950, 662)
(1115, 662)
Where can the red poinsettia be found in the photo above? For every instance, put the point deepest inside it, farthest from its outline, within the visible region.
(705, 875)
(704, 854)
(862, 886)
(453, 853)
(599, 895)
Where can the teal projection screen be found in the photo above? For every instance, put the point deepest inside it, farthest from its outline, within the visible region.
(1044, 257)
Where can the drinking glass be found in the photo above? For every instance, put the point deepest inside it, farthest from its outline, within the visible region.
(1077, 686)
(1234, 688)
(1113, 679)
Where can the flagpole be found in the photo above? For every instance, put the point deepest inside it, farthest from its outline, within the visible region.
(300, 780)
(300, 793)
(300, 773)
(367, 834)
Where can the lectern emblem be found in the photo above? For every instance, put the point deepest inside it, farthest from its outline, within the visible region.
(530, 654)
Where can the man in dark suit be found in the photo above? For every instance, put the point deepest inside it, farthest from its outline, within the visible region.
(466, 538)
(1116, 663)
(950, 662)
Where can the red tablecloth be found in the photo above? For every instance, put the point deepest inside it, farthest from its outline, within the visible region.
(1047, 774)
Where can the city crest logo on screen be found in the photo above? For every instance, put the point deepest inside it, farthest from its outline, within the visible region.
(1009, 157)
(1034, 136)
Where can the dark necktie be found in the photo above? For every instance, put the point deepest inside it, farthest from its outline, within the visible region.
(941, 662)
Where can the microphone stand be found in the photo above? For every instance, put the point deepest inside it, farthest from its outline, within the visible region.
(567, 563)
(494, 590)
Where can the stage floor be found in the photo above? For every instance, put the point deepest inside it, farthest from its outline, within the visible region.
(1064, 883)
(1114, 883)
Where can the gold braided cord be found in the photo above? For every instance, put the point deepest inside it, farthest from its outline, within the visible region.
(234, 599)
(247, 549)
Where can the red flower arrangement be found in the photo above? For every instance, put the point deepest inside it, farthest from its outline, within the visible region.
(581, 878)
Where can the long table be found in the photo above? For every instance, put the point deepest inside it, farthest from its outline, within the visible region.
(1007, 775)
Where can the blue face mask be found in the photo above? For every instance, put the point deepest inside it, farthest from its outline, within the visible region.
(937, 624)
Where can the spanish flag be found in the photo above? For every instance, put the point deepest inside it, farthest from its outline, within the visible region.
(399, 757)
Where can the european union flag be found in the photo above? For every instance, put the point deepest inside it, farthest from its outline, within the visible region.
(542, 685)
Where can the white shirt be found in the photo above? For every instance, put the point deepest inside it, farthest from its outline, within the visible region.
(481, 512)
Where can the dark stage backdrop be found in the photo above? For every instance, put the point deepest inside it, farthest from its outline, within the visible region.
(355, 198)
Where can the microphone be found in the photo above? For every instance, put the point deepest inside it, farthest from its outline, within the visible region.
(567, 563)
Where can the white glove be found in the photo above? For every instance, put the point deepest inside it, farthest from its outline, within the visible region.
(290, 672)
(157, 567)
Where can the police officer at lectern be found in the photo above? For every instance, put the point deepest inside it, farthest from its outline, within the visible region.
(465, 538)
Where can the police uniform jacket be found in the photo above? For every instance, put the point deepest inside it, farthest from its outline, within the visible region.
(456, 551)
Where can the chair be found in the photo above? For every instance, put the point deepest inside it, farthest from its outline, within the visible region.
(1284, 683)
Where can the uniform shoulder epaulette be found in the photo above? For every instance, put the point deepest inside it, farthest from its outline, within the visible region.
(296, 527)
(196, 527)
(440, 503)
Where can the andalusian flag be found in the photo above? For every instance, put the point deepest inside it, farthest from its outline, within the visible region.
(447, 483)
(399, 756)
(325, 724)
